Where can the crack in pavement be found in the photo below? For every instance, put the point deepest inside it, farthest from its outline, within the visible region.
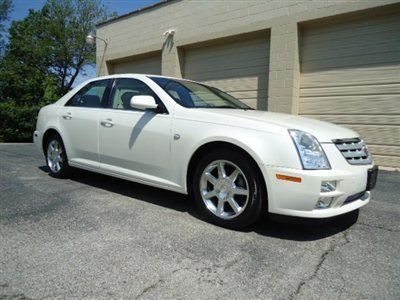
(16, 296)
(332, 247)
(4, 295)
(378, 227)
(153, 286)
(149, 288)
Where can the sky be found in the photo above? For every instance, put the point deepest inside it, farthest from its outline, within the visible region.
(21, 8)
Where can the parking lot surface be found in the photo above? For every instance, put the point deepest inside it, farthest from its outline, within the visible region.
(98, 237)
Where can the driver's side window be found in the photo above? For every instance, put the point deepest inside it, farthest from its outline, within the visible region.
(123, 91)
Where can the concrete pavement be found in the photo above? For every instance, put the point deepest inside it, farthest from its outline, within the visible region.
(98, 237)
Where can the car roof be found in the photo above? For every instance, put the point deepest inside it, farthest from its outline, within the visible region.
(136, 75)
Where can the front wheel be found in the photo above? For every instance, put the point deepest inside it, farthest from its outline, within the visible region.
(229, 189)
(56, 157)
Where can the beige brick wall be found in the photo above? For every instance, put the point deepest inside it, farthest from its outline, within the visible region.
(200, 21)
(284, 69)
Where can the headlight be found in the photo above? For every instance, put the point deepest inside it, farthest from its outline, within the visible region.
(311, 154)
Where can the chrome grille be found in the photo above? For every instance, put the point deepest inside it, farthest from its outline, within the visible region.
(354, 151)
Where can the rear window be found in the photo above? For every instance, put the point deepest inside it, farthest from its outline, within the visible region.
(91, 95)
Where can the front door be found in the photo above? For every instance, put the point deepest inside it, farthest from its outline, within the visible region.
(134, 143)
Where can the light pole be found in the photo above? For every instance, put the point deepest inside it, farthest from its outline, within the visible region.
(91, 40)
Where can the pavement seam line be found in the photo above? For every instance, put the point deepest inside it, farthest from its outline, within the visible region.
(19, 154)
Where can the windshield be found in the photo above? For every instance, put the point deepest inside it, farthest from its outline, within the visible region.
(195, 95)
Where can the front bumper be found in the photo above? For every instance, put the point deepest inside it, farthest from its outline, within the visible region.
(299, 199)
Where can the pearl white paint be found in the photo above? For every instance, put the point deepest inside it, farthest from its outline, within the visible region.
(140, 146)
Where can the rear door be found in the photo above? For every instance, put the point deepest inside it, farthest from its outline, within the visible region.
(135, 143)
(79, 120)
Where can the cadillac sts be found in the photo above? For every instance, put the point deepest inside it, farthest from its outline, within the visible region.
(237, 163)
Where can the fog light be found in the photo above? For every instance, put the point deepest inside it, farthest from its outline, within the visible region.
(324, 203)
(328, 186)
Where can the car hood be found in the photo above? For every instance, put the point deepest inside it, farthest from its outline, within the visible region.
(325, 132)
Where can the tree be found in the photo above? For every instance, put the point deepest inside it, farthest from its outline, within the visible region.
(50, 43)
(67, 23)
(5, 9)
(45, 53)
(25, 67)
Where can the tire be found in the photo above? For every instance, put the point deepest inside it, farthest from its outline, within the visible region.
(56, 157)
(242, 181)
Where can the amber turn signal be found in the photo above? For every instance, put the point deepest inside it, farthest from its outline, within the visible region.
(288, 178)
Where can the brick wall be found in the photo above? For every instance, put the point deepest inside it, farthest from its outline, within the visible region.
(201, 21)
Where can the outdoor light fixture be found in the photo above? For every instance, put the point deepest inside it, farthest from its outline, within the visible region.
(91, 40)
(169, 32)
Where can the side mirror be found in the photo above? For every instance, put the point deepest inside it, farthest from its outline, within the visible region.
(143, 102)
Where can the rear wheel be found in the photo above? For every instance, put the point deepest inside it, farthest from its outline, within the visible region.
(228, 189)
(56, 157)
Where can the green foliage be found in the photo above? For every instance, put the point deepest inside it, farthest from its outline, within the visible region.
(45, 54)
(52, 41)
(17, 123)
(66, 25)
(23, 84)
(5, 9)
(51, 92)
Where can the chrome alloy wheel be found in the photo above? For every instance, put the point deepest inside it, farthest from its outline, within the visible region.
(224, 189)
(54, 156)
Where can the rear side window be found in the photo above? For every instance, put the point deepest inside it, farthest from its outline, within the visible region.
(125, 89)
(94, 95)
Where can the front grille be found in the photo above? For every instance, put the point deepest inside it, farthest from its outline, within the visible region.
(354, 151)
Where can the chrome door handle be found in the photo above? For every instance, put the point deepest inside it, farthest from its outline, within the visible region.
(107, 123)
(67, 116)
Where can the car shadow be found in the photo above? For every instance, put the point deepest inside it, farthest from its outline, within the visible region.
(288, 228)
(302, 229)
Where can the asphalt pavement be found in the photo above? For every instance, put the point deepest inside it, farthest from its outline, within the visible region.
(97, 237)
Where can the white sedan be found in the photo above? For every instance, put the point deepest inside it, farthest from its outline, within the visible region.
(184, 136)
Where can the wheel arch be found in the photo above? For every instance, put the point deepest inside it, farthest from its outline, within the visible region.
(218, 144)
(47, 133)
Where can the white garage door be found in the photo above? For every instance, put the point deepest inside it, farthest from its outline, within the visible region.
(147, 65)
(351, 76)
(238, 67)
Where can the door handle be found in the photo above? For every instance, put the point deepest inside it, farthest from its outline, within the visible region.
(107, 123)
(67, 116)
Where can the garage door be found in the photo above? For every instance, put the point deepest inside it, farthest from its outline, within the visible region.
(146, 65)
(351, 76)
(238, 67)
